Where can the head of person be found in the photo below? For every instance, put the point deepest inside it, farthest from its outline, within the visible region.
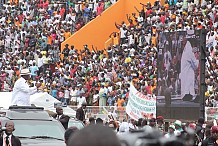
(178, 124)
(9, 127)
(99, 121)
(95, 135)
(214, 132)
(68, 133)
(144, 122)
(192, 126)
(171, 129)
(152, 122)
(160, 120)
(84, 105)
(59, 110)
(25, 73)
(92, 120)
(201, 121)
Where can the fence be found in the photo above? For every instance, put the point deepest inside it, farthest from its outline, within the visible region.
(103, 111)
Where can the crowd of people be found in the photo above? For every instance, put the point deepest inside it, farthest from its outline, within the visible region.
(150, 132)
(174, 133)
(31, 33)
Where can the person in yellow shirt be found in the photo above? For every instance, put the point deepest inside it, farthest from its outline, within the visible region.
(128, 60)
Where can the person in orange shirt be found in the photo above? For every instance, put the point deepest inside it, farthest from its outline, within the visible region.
(166, 5)
(17, 23)
(115, 38)
(120, 102)
(154, 40)
(67, 34)
(49, 39)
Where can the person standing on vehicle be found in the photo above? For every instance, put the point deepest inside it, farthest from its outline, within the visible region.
(64, 119)
(22, 91)
(8, 139)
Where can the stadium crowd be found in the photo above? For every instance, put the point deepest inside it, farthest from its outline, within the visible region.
(32, 31)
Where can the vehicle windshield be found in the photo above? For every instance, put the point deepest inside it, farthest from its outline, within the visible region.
(77, 124)
(28, 128)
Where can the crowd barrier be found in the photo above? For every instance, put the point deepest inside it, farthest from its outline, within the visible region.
(102, 112)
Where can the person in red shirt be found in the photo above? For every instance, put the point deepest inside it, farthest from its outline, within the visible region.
(21, 17)
(45, 4)
(73, 70)
(62, 11)
(100, 8)
(163, 17)
(149, 11)
(40, 4)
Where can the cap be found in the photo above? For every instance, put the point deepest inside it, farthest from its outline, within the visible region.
(172, 126)
(214, 129)
(160, 118)
(192, 126)
(179, 123)
(25, 72)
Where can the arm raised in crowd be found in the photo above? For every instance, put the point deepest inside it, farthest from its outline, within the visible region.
(117, 25)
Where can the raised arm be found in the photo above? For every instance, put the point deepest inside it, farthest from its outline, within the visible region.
(117, 25)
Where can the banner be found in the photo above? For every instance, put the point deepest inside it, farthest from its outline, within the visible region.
(139, 105)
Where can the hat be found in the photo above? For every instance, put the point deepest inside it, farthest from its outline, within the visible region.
(214, 129)
(192, 126)
(25, 72)
(160, 118)
(172, 126)
(179, 123)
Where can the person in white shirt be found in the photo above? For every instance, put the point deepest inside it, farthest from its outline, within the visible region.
(21, 91)
(73, 95)
(66, 95)
(171, 131)
(81, 100)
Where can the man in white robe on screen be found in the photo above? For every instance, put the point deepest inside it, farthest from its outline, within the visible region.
(189, 63)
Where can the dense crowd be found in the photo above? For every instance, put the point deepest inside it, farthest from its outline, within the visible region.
(151, 132)
(31, 33)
